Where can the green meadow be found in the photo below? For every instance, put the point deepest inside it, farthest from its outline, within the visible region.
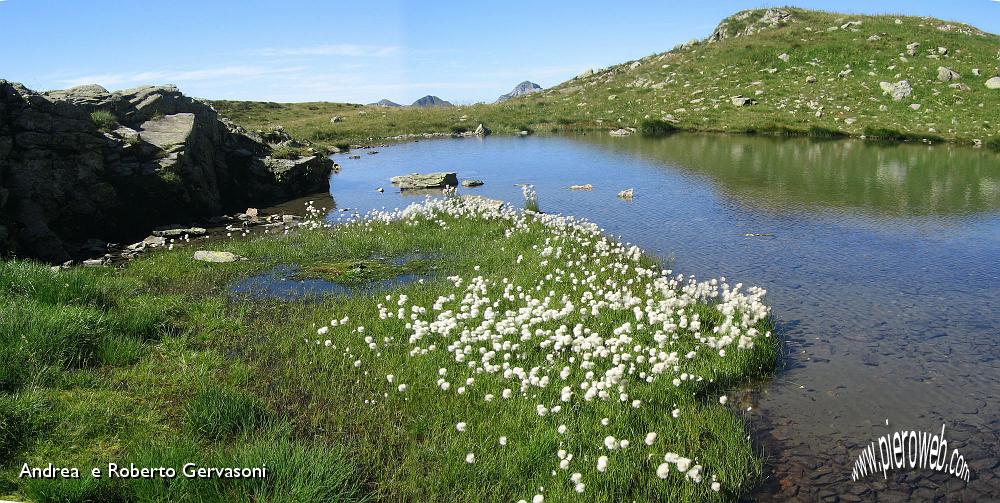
(343, 397)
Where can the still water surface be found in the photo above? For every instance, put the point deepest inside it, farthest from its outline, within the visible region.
(882, 264)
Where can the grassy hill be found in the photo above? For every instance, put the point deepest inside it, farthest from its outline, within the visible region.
(828, 85)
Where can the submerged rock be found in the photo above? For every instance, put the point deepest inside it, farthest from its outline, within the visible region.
(174, 232)
(472, 183)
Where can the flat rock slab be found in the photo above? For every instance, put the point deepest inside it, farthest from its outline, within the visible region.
(214, 256)
(417, 181)
(471, 183)
(167, 131)
(180, 231)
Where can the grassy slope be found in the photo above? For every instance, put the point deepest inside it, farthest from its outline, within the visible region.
(156, 366)
(715, 72)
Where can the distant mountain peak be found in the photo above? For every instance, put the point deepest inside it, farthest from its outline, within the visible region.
(431, 101)
(385, 103)
(526, 87)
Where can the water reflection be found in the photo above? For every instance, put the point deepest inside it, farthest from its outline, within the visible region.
(891, 179)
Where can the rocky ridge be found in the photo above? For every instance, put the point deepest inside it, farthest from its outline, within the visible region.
(86, 165)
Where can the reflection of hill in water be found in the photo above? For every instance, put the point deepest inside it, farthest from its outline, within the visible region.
(774, 173)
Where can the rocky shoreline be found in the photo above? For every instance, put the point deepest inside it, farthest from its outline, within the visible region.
(84, 167)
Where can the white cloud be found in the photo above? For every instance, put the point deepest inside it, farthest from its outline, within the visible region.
(354, 50)
(177, 77)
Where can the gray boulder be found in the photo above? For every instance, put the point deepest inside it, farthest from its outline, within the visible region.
(417, 181)
(898, 91)
(993, 83)
(742, 101)
(482, 130)
(472, 183)
(946, 74)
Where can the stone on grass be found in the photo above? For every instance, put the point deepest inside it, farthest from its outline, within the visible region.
(214, 256)
(742, 101)
(993, 83)
(898, 91)
(811, 79)
(946, 74)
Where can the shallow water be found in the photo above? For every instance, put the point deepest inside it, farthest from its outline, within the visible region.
(284, 283)
(881, 263)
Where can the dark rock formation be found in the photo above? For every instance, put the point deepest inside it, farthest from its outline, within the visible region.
(86, 163)
(431, 101)
(526, 87)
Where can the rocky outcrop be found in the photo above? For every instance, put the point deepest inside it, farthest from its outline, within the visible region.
(522, 89)
(749, 22)
(86, 163)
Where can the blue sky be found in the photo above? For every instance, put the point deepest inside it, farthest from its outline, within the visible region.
(362, 51)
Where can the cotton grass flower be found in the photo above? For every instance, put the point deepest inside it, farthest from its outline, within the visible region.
(537, 341)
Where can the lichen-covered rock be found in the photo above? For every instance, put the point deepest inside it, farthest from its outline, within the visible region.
(170, 158)
(898, 91)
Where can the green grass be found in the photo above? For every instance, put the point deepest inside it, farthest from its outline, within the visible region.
(693, 83)
(158, 365)
(104, 120)
(286, 152)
